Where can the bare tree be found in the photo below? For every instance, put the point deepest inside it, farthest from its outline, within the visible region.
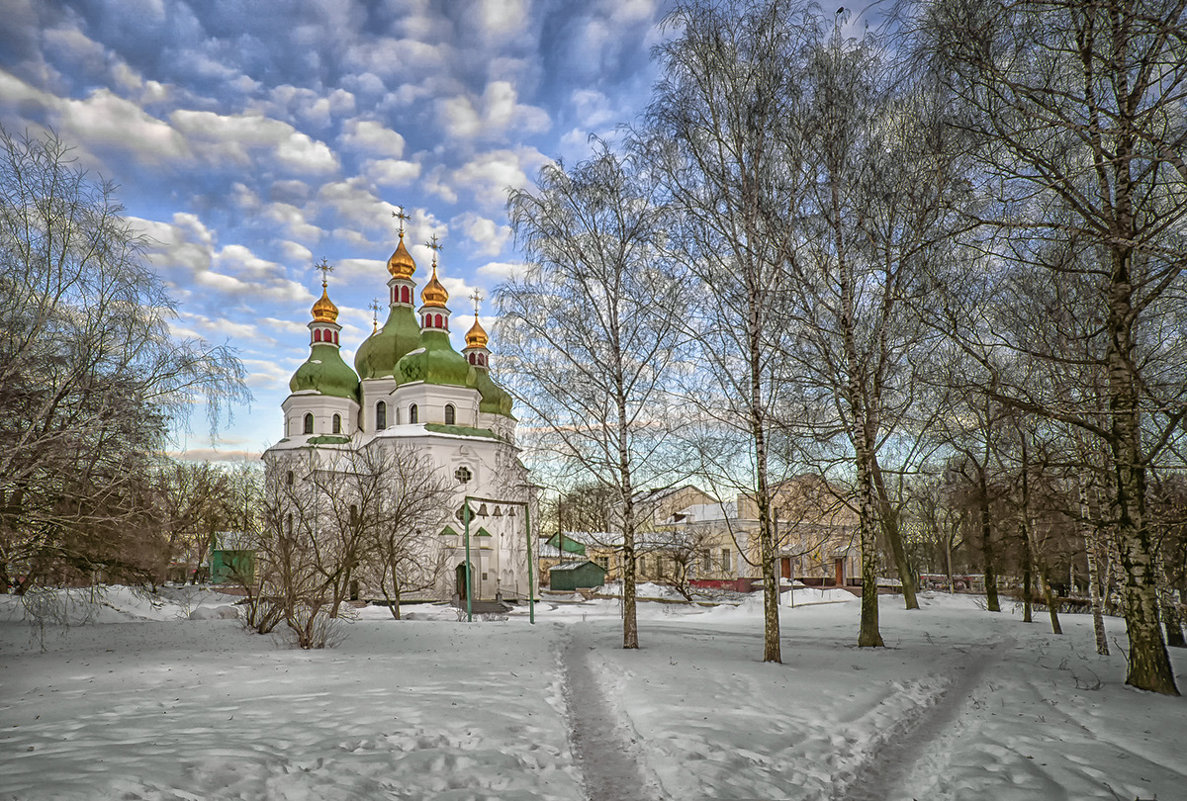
(716, 135)
(592, 330)
(1077, 113)
(90, 374)
(401, 506)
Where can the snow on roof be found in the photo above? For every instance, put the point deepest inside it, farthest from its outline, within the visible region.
(570, 566)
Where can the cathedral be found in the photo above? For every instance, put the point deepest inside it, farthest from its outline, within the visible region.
(410, 389)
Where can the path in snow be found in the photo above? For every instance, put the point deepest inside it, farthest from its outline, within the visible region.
(604, 745)
(881, 776)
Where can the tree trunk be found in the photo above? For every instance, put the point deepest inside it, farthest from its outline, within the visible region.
(771, 651)
(1094, 595)
(1149, 663)
(869, 636)
(1171, 619)
(630, 622)
(987, 552)
(894, 536)
(1052, 601)
(1027, 561)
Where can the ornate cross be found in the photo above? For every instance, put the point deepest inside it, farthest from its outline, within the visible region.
(401, 216)
(326, 268)
(435, 245)
(476, 296)
(374, 314)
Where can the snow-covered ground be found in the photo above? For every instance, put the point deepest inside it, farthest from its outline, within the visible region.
(161, 698)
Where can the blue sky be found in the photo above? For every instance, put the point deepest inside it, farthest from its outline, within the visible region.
(251, 138)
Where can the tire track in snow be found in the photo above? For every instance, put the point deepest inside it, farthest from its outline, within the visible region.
(603, 744)
(881, 773)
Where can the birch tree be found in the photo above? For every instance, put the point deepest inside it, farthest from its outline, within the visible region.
(592, 331)
(716, 133)
(1077, 112)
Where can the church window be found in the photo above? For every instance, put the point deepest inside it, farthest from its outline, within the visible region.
(335, 337)
(412, 414)
(337, 424)
(309, 424)
(289, 478)
(380, 416)
(317, 335)
(450, 414)
(405, 294)
(440, 321)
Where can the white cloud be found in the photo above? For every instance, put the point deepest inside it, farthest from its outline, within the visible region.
(186, 254)
(503, 270)
(295, 252)
(392, 172)
(488, 236)
(292, 222)
(488, 176)
(372, 137)
(222, 137)
(491, 116)
(316, 108)
(593, 109)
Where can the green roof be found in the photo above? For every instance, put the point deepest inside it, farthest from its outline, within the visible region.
(495, 399)
(481, 533)
(328, 439)
(378, 354)
(325, 372)
(570, 545)
(448, 532)
(435, 362)
(465, 431)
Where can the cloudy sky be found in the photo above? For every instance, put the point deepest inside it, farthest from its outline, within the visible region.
(251, 138)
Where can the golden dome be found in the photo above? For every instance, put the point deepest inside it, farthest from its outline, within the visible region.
(401, 265)
(324, 310)
(476, 336)
(434, 294)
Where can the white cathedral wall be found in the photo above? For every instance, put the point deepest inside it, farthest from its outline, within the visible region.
(323, 408)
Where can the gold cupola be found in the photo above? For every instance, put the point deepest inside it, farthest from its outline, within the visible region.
(324, 310)
(434, 294)
(476, 336)
(401, 265)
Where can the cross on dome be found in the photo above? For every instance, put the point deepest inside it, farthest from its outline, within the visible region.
(374, 314)
(401, 216)
(326, 268)
(324, 311)
(476, 296)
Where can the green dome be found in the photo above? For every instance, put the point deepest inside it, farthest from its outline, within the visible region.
(495, 399)
(436, 362)
(325, 372)
(378, 354)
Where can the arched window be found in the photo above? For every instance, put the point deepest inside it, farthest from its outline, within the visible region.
(289, 478)
(317, 335)
(337, 424)
(440, 321)
(309, 424)
(335, 337)
(405, 294)
(380, 416)
(450, 414)
(412, 414)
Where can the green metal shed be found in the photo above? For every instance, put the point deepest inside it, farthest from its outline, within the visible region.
(576, 575)
(232, 567)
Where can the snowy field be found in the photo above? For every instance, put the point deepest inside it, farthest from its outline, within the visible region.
(161, 698)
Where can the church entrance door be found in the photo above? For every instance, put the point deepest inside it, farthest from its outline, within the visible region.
(461, 582)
